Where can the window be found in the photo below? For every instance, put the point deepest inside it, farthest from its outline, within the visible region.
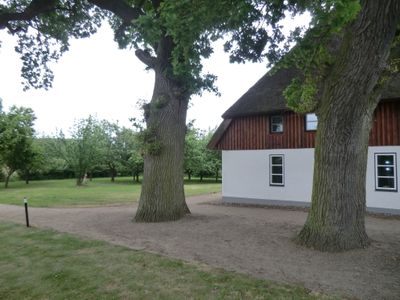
(311, 122)
(276, 169)
(276, 124)
(385, 172)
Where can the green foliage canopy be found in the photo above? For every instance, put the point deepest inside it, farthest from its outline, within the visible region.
(43, 28)
(153, 28)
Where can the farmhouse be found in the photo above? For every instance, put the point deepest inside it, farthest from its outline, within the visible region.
(268, 150)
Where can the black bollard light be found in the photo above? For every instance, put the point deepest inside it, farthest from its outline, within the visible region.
(26, 211)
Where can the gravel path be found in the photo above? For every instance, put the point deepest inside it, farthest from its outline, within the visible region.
(256, 241)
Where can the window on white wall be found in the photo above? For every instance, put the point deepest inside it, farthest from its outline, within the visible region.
(385, 172)
(276, 169)
(311, 122)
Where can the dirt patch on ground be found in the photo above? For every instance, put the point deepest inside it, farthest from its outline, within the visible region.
(255, 241)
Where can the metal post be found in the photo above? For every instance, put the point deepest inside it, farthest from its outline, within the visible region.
(26, 211)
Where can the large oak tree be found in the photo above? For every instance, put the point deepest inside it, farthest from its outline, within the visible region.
(362, 66)
(345, 60)
(170, 38)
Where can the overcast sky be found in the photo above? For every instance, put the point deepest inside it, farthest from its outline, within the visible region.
(96, 78)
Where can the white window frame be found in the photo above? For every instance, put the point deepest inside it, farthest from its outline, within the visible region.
(271, 156)
(272, 123)
(394, 166)
(311, 122)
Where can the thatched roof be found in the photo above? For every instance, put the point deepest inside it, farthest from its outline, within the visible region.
(266, 96)
(263, 97)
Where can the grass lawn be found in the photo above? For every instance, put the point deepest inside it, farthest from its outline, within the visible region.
(52, 193)
(42, 264)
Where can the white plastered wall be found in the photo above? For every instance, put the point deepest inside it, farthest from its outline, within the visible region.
(245, 176)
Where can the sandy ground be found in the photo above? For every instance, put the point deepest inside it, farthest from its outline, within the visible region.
(255, 241)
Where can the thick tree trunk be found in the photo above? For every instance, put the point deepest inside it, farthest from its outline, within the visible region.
(336, 218)
(162, 197)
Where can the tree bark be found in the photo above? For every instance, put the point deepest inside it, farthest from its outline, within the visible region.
(7, 174)
(162, 197)
(80, 178)
(79, 181)
(7, 180)
(113, 174)
(113, 171)
(349, 97)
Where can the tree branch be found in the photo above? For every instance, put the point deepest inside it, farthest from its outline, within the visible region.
(391, 75)
(35, 8)
(146, 58)
(120, 8)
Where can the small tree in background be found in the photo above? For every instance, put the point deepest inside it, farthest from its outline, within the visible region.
(193, 151)
(110, 148)
(129, 150)
(199, 160)
(36, 161)
(84, 150)
(16, 136)
(136, 164)
(214, 157)
(56, 166)
(210, 160)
